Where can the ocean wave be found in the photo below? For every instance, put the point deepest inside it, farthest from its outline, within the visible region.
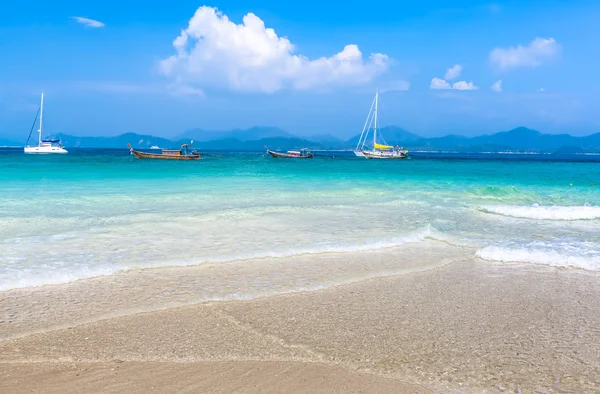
(30, 278)
(13, 276)
(555, 252)
(555, 212)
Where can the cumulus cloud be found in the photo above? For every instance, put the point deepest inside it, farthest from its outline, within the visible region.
(214, 51)
(453, 72)
(541, 90)
(437, 83)
(464, 85)
(88, 22)
(497, 86)
(532, 55)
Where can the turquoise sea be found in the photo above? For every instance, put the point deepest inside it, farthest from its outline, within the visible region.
(94, 213)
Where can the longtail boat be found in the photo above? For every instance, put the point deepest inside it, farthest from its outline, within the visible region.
(291, 154)
(168, 154)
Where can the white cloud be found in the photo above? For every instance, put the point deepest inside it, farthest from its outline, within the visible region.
(532, 55)
(88, 22)
(464, 85)
(437, 83)
(453, 72)
(497, 86)
(214, 51)
(541, 90)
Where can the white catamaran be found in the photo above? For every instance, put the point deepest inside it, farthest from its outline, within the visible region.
(47, 145)
(378, 151)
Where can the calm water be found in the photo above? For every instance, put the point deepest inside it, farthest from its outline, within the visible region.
(95, 212)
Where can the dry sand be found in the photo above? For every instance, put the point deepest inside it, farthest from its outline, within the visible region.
(467, 327)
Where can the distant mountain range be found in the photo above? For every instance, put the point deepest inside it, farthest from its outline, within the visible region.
(520, 139)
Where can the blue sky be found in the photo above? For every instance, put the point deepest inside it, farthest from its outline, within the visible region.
(313, 73)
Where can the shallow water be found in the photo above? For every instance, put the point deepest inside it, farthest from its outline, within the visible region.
(94, 213)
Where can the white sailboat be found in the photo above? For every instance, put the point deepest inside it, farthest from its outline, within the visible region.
(378, 151)
(44, 145)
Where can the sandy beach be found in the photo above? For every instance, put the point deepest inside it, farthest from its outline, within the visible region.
(468, 327)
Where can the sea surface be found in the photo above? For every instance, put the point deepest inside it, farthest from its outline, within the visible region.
(96, 213)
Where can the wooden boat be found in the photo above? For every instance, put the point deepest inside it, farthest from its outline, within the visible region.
(291, 154)
(168, 154)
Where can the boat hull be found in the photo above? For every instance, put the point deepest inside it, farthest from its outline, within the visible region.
(45, 150)
(384, 155)
(279, 155)
(144, 155)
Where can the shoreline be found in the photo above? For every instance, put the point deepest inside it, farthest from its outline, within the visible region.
(38, 309)
(471, 325)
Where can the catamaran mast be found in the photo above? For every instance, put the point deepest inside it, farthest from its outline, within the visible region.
(375, 125)
(41, 116)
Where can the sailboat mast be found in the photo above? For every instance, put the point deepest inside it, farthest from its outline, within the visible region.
(375, 125)
(41, 117)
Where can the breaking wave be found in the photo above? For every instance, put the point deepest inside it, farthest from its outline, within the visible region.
(13, 275)
(535, 211)
(556, 252)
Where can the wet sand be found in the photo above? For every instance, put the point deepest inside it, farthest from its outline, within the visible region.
(203, 377)
(468, 327)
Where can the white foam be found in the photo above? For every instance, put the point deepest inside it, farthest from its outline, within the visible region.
(554, 252)
(14, 275)
(33, 278)
(556, 212)
(418, 236)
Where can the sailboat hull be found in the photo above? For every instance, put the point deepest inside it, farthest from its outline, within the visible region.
(379, 151)
(47, 146)
(396, 155)
(45, 150)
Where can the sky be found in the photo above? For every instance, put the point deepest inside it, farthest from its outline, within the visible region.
(310, 67)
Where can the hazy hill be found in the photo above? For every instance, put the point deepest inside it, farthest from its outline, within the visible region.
(251, 134)
(392, 135)
(255, 138)
(120, 141)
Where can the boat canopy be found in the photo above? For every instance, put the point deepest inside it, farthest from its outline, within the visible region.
(382, 147)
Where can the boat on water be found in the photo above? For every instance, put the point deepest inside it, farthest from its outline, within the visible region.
(168, 154)
(377, 151)
(291, 154)
(43, 145)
